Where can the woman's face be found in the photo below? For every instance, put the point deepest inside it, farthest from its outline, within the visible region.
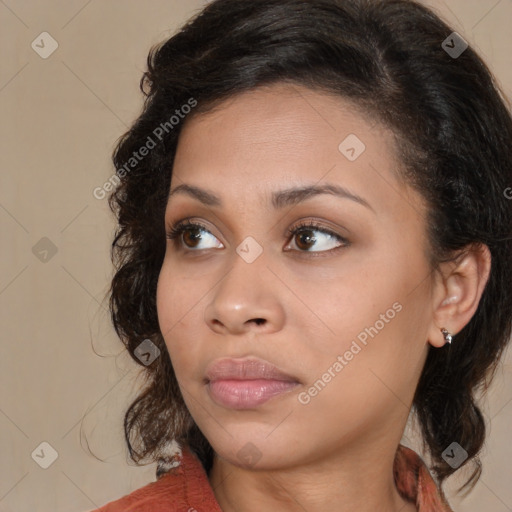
(341, 307)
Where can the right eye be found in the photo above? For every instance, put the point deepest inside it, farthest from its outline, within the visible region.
(189, 235)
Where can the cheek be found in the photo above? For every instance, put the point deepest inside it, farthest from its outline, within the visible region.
(374, 315)
(178, 296)
(367, 373)
(176, 301)
(361, 293)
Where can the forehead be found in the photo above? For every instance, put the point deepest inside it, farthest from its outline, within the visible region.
(276, 118)
(272, 137)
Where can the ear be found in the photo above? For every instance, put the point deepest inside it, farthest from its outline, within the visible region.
(458, 288)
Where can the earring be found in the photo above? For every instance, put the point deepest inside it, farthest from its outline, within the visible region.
(447, 336)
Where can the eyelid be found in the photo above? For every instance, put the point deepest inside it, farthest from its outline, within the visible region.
(316, 225)
(176, 228)
(313, 224)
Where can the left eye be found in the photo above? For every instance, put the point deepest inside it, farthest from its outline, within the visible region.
(312, 236)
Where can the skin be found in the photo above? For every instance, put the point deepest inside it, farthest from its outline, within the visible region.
(339, 447)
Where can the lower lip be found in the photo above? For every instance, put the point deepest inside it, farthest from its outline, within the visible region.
(247, 394)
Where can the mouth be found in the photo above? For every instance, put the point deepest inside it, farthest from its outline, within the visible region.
(246, 383)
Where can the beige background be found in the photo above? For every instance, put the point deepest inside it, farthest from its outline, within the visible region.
(64, 378)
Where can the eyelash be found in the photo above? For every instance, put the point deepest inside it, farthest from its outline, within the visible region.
(175, 231)
(314, 226)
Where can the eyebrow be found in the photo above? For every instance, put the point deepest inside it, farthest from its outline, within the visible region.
(280, 199)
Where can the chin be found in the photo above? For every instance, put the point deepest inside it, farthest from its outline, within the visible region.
(254, 452)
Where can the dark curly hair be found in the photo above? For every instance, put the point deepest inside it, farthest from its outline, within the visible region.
(453, 132)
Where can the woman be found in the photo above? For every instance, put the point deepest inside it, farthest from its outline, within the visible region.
(314, 242)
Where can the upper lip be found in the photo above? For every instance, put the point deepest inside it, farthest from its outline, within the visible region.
(245, 369)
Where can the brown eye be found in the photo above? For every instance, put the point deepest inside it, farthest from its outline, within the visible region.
(191, 236)
(305, 239)
(313, 238)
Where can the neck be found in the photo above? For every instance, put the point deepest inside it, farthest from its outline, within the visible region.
(359, 480)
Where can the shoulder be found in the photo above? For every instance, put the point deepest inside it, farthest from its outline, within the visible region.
(159, 495)
(414, 482)
(183, 487)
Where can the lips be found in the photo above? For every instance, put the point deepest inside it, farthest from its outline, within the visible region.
(246, 383)
(245, 369)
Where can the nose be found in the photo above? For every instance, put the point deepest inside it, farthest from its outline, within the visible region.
(247, 298)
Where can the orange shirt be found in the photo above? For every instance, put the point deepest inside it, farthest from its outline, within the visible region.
(186, 488)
